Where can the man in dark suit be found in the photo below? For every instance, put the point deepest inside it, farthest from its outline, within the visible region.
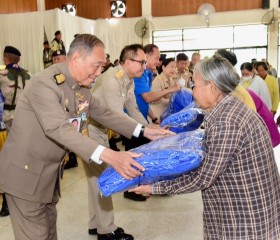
(31, 160)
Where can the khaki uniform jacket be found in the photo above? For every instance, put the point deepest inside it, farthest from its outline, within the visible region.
(31, 157)
(160, 83)
(56, 46)
(115, 90)
(8, 90)
(186, 76)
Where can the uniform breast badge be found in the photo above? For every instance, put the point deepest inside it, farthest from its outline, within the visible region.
(59, 78)
(80, 96)
(83, 105)
(66, 105)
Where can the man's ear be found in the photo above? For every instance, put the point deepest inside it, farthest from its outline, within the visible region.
(76, 56)
(127, 62)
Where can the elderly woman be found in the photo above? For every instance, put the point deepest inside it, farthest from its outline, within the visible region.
(238, 178)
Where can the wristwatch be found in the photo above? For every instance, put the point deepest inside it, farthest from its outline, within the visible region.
(141, 134)
(154, 120)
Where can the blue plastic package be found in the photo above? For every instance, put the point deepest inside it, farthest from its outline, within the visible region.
(162, 159)
(178, 101)
(188, 119)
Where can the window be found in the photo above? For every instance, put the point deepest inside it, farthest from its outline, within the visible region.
(247, 42)
(216, 38)
(169, 40)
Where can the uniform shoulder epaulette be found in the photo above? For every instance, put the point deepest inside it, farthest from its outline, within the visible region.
(119, 74)
(59, 78)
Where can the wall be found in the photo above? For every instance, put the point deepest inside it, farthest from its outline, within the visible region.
(18, 6)
(162, 8)
(95, 9)
(153, 8)
(228, 18)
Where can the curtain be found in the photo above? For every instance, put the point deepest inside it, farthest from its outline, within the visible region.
(68, 25)
(25, 31)
(117, 33)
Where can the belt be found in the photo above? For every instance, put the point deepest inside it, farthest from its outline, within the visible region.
(9, 107)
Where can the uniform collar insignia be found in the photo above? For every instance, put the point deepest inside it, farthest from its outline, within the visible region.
(76, 86)
(59, 78)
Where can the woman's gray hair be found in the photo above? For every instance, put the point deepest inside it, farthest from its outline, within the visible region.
(84, 43)
(220, 71)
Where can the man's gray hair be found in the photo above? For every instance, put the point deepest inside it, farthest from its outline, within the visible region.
(220, 71)
(84, 43)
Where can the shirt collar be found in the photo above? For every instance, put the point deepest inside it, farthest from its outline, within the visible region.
(69, 79)
(216, 110)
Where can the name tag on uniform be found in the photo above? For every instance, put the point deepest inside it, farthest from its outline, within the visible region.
(76, 122)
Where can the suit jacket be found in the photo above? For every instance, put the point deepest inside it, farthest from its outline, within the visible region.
(114, 89)
(41, 131)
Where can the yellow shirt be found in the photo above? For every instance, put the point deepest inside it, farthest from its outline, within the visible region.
(242, 94)
(273, 88)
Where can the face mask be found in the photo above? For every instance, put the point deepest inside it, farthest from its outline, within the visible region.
(247, 78)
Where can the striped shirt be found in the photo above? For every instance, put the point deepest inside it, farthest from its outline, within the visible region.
(238, 178)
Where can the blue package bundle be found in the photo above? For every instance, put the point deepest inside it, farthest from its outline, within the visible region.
(162, 159)
(178, 101)
(188, 119)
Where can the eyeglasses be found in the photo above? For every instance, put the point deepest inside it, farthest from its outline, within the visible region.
(143, 62)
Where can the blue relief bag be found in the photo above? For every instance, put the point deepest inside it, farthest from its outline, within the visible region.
(188, 119)
(182, 114)
(178, 101)
(162, 159)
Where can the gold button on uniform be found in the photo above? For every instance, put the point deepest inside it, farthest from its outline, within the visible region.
(26, 167)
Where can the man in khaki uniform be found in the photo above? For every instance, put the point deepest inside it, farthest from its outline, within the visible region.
(57, 44)
(32, 157)
(194, 60)
(115, 89)
(183, 63)
(12, 82)
(47, 58)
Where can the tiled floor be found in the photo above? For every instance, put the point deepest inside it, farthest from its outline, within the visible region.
(159, 218)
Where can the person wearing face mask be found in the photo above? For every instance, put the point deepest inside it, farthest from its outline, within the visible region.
(254, 83)
(162, 82)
